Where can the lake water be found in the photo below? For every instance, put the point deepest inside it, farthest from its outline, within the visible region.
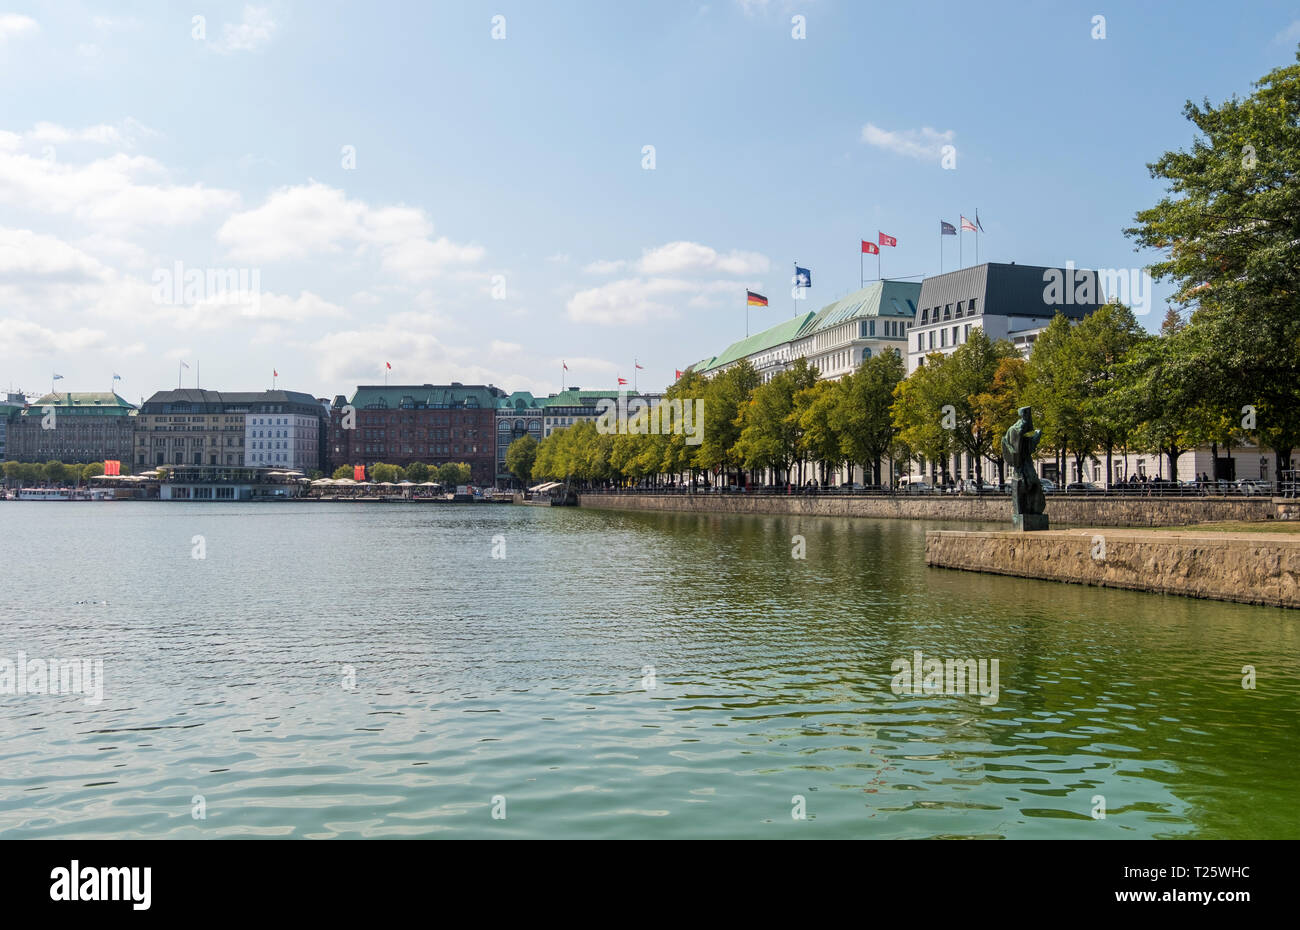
(613, 675)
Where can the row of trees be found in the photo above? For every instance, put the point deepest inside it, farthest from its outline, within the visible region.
(52, 472)
(448, 474)
(1224, 369)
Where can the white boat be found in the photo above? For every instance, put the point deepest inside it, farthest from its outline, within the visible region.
(65, 494)
(44, 494)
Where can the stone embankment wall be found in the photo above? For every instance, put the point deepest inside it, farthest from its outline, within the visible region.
(1251, 568)
(1063, 509)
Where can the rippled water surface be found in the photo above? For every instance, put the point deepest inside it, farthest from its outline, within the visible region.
(524, 678)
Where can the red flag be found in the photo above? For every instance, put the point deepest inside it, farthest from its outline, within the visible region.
(870, 248)
(274, 373)
(358, 473)
(388, 365)
(888, 240)
(112, 467)
(642, 367)
(622, 380)
(566, 365)
(679, 374)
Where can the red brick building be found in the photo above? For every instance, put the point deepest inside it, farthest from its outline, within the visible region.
(405, 423)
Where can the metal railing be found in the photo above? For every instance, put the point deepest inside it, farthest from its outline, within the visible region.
(1162, 489)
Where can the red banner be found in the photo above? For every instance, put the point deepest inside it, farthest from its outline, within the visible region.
(358, 473)
(112, 467)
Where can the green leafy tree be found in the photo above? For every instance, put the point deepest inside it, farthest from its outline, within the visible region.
(997, 408)
(417, 472)
(91, 470)
(382, 471)
(343, 471)
(725, 395)
(54, 472)
(863, 415)
(520, 457)
(1228, 229)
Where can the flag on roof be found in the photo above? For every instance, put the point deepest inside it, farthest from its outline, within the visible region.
(886, 239)
(967, 225)
(947, 229)
(622, 381)
(755, 300)
(870, 248)
(802, 277)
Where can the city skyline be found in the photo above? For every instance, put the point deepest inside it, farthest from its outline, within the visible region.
(490, 233)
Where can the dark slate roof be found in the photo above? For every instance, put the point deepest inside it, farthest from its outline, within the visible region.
(418, 396)
(1008, 290)
(215, 401)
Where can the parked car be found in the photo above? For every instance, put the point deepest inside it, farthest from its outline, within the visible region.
(851, 486)
(1048, 484)
(1084, 486)
(1254, 486)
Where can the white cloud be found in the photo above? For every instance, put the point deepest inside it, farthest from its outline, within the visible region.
(924, 144)
(497, 347)
(20, 338)
(13, 25)
(313, 219)
(626, 301)
(253, 31)
(220, 311)
(118, 192)
(682, 257)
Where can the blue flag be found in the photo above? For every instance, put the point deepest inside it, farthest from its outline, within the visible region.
(947, 229)
(802, 277)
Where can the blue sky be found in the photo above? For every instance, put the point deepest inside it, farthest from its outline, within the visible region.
(498, 218)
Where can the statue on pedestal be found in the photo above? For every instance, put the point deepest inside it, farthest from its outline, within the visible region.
(1027, 499)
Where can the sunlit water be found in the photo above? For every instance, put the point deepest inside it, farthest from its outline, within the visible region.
(518, 685)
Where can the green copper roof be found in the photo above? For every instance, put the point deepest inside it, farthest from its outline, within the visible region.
(519, 400)
(877, 299)
(91, 403)
(572, 398)
(759, 342)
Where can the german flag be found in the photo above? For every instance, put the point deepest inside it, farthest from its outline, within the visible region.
(755, 300)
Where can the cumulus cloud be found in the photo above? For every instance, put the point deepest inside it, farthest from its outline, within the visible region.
(924, 144)
(664, 276)
(16, 25)
(23, 338)
(626, 301)
(222, 310)
(313, 219)
(250, 33)
(682, 257)
(119, 192)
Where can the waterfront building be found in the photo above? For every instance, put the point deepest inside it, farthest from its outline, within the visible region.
(72, 427)
(560, 411)
(9, 407)
(282, 429)
(1008, 301)
(404, 424)
(518, 414)
(194, 426)
(226, 483)
(835, 339)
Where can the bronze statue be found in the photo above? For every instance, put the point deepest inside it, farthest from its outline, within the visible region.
(1018, 445)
